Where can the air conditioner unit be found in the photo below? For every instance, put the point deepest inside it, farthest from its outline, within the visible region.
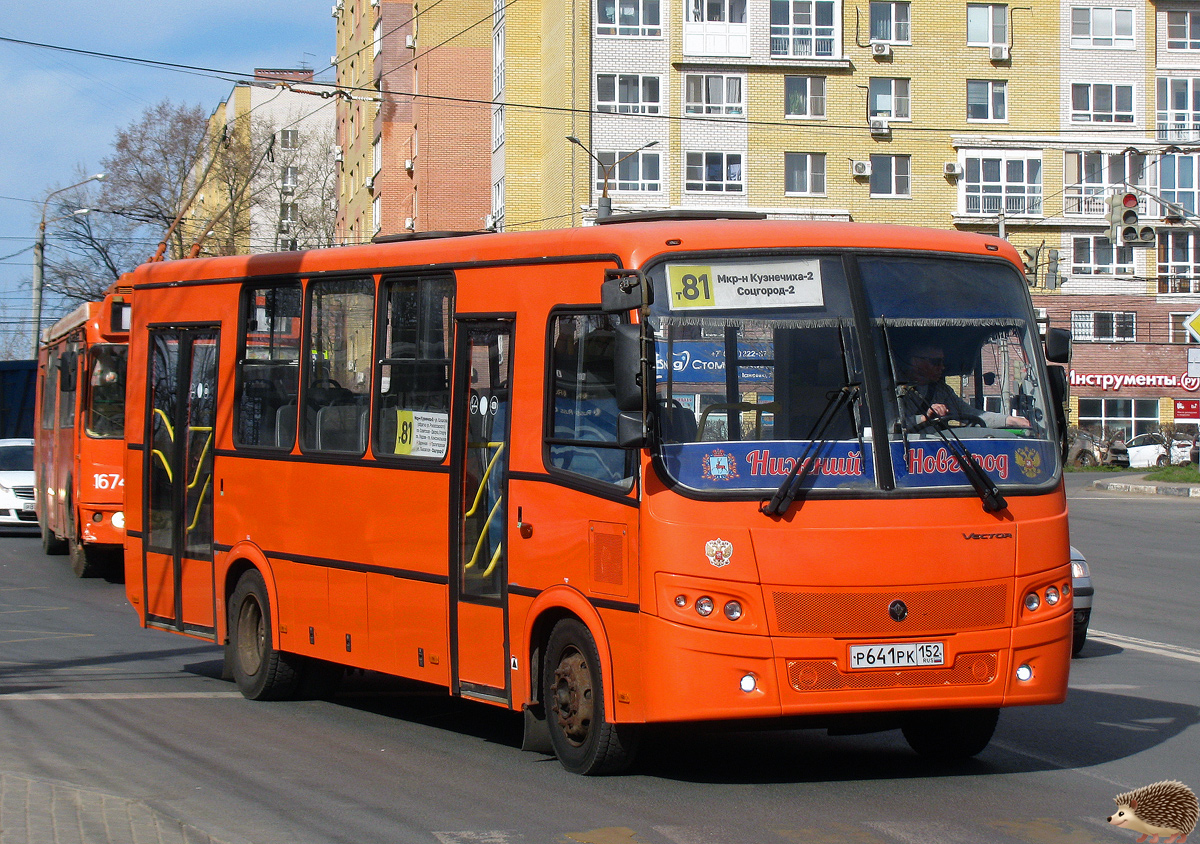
(998, 53)
(409, 224)
(333, 60)
(410, 42)
(860, 168)
(952, 168)
(408, 164)
(880, 50)
(879, 125)
(337, 7)
(287, 190)
(369, 183)
(338, 153)
(489, 221)
(284, 226)
(374, 2)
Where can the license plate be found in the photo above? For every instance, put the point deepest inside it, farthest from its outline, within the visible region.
(28, 506)
(908, 655)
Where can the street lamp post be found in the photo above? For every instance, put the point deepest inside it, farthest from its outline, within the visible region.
(39, 256)
(604, 206)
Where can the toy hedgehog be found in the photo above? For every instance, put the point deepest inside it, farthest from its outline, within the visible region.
(1165, 808)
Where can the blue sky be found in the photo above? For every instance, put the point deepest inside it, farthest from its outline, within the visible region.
(64, 109)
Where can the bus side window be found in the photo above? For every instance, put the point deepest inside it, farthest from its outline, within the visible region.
(268, 367)
(583, 407)
(341, 314)
(50, 391)
(68, 378)
(412, 404)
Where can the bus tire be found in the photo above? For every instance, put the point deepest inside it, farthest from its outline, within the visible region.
(573, 691)
(86, 561)
(951, 734)
(52, 544)
(260, 671)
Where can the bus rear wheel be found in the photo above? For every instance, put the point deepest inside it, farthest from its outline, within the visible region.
(86, 561)
(573, 691)
(260, 671)
(951, 734)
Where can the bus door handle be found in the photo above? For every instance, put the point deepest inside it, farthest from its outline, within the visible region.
(524, 527)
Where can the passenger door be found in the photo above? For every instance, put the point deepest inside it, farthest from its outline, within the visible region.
(178, 556)
(479, 547)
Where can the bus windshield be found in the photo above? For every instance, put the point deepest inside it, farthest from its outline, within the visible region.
(106, 396)
(765, 368)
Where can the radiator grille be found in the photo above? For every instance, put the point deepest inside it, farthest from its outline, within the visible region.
(23, 492)
(822, 675)
(866, 613)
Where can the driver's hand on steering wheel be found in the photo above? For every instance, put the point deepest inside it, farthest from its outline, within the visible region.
(1017, 422)
(934, 411)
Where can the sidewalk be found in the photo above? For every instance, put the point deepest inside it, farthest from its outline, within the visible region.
(1128, 484)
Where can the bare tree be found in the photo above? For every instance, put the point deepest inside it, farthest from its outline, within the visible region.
(296, 192)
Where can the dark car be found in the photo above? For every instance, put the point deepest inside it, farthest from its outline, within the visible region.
(1084, 450)
(1117, 454)
(1196, 451)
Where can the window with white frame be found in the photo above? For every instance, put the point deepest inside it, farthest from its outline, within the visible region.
(377, 213)
(889, 98)
(1132, 416)
(1178, 261)
(1102, 27)
(497, 126)
(1104, 326)
(629, 18)
(891, 175)
(804, 96)
(1095, 255)
(987, 25)
(289, 139)
(289, 179)
(1089, 176)
(987, 100)
(1177, 179)
(498, 200)
(1101, 103)
(1178, 108)
(715, 28)
(377, 155)
(1010, 181)
(1183, 30)
(627, 93)
(713, 93)
(498, 61)
(890, 22)
(804, 173)
(1177, 329)
(714, 172)
(806, 28)
(634, 171)
(377, 38)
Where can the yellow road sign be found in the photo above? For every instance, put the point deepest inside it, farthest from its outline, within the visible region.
(1192, 324)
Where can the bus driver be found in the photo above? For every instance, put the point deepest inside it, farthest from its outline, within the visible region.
(933, 398)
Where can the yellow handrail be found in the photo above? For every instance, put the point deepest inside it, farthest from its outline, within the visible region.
(487, 472)
(199, 504)
(166, 421)
(483, 536)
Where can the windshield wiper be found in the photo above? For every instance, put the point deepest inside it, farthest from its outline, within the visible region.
(786, 494)
(984, 486)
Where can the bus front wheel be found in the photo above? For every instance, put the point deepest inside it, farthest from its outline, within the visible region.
(260, 671)
(52, 544)
(950, 734)
(573, 691)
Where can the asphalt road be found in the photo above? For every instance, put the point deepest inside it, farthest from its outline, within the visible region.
(112, 733)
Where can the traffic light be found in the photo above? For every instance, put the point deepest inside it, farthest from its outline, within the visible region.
(1124, 226)
(1031, 263)
(1051, 269)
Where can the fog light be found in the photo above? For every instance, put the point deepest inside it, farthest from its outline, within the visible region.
(733, 610)
(1066, 590)
(704, 606)
(749, 683)
(97, 517)
(1051, 595)
(681, 601)
(119, 520)
(1032, 601)
(1025, 673)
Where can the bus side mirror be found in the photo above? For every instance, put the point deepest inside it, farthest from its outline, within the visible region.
(624, 291)
(631, 429)
(67, 366)
(1058, 345)
(1058, 384)
(629, 366)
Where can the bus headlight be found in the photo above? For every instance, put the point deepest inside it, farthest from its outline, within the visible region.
(704, 606)
(733, 610)
(1051, 596)
(1032, 601)
(119, 520)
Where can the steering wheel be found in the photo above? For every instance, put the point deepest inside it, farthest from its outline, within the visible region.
(325, 382)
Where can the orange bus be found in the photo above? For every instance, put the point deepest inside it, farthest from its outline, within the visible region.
(663, 470)
(79, 446)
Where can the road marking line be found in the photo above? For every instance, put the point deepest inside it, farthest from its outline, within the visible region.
(1147, 646)
(1058, 763)
(116, 695)
(44, 636)
(30, 609)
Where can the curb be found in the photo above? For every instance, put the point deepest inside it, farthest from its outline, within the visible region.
(1149, 489)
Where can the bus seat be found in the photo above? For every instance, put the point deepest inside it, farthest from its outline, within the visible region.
(678, 424)
(285, 426)
(341, 427)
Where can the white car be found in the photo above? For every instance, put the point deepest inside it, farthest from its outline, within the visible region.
(16, 485)
(1149, 450)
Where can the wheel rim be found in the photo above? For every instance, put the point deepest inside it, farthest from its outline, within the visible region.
(252, 636)
(572, 696)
